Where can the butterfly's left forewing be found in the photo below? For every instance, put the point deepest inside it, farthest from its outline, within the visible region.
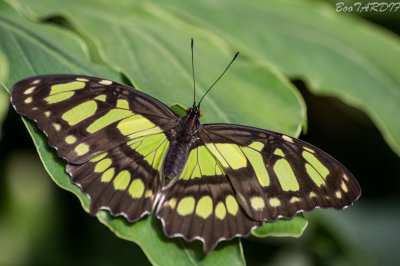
(275, 175)
(83, 116)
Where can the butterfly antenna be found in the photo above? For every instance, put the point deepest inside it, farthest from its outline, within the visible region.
(198, 105)
(194, 80)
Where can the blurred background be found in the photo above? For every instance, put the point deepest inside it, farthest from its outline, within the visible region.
(35, 213)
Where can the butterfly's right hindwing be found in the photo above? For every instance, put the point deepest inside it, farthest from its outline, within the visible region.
(125, 180)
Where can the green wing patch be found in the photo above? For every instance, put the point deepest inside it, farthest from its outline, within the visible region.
(201, 203)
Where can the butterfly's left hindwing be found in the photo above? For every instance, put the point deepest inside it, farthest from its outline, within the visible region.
(202, 204)
(275, 175)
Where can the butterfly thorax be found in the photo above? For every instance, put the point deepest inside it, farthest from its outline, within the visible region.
(183, 138)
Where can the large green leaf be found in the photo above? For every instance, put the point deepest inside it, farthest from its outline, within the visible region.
(154, 52)
(39, 49)
(337, 54)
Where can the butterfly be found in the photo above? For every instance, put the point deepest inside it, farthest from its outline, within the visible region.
(133, 155)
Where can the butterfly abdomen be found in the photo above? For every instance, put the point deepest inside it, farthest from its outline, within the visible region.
(176, 157)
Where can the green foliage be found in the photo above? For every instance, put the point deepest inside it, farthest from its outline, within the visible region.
(146, 43)
(179, 109)
(282, 227)
(4, 102)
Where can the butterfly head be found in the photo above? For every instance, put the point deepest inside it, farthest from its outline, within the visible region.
(190, 123)
(189, 109)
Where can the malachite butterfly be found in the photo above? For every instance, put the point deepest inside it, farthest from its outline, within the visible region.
(133, 155)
